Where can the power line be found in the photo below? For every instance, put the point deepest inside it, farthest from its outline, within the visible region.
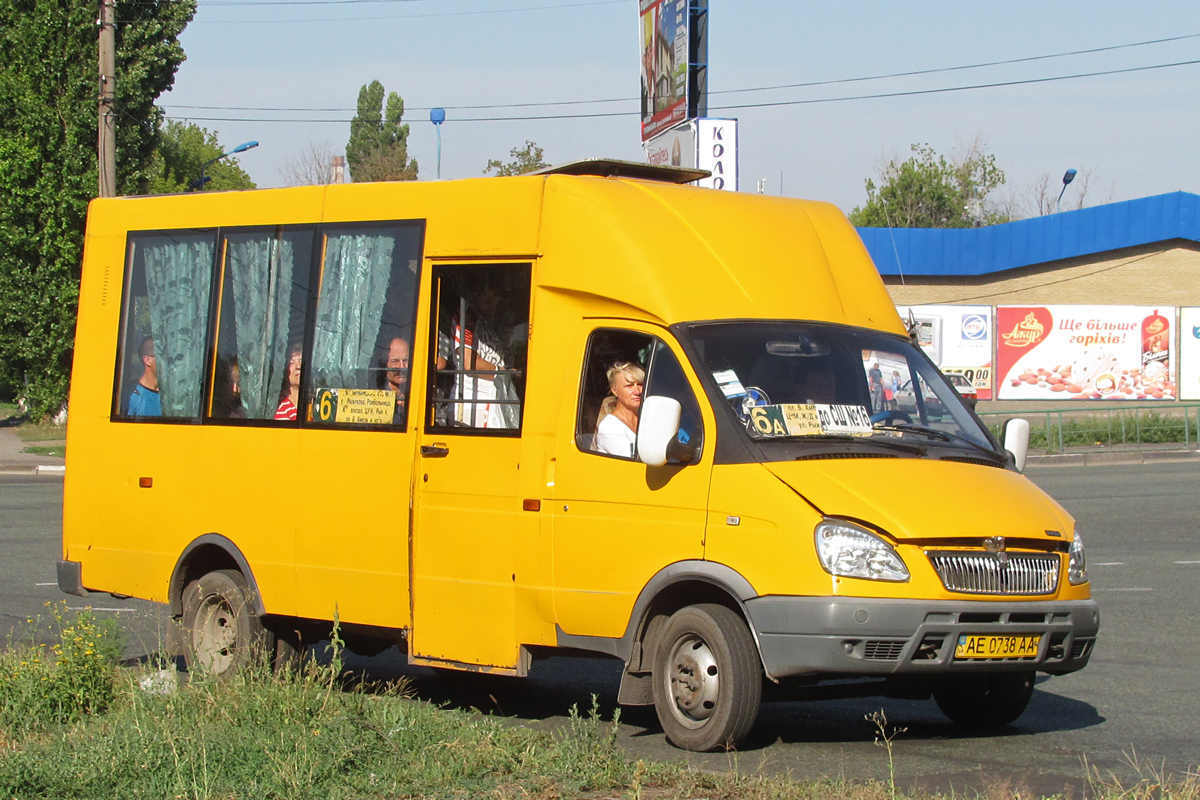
(809, 84)
(429, 15)
(881, 95)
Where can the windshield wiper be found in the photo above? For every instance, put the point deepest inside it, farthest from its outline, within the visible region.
(945, 436)
(915, 449)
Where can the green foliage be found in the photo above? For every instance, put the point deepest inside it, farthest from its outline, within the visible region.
(1115, 428)
(40, 688)
(48, 120)
(930, 191)
(525, 159)
(378, 146)
(183, 148)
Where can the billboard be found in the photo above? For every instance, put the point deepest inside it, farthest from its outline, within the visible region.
(1189, 353)
(958, 339)
(717, 152)
(674, 68)
(1085, 352)
(675, 148)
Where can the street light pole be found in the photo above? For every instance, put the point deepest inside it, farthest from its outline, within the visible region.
(107, 144)
(437, 116)
(198, 184)
(1068, 176)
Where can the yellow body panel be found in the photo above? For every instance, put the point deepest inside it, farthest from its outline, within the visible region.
(329, 519)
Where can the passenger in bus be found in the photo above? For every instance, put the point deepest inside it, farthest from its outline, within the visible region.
(396, 377)
(616, 430)
(289, 396)
(145, 400)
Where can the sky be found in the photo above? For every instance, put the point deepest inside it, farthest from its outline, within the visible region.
(1134, 133)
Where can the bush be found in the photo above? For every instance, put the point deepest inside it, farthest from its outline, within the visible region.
(40, 687)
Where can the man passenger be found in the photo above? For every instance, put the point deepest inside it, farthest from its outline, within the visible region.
(144, 401)
(396, 377)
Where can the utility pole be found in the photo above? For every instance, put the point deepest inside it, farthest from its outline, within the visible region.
(107, 149)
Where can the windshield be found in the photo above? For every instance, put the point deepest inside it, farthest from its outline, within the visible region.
(809, 382)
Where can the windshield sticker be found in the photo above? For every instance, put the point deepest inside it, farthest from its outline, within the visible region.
(790, 419)
(729, 383)
(853, 420)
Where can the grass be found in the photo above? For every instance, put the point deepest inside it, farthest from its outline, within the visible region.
(41, 432)
(59, 451)
(73, 724)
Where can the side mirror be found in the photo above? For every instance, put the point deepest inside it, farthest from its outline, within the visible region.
(658, 425)
(1015, 439)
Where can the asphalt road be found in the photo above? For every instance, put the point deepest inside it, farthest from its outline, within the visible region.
(1138, 695)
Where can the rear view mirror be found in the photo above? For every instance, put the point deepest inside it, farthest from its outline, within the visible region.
(658, 425)
(1015, 439)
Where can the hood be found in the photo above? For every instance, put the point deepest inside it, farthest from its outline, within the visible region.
(923, 499)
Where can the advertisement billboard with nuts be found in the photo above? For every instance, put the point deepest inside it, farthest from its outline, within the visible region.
(958, 339)
(1085, 352)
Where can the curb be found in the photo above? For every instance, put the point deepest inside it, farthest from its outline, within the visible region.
(1110, 459)
(33, 469)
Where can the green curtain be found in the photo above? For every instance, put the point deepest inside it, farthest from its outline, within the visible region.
(354, 284)
(178, 283)
(261, 267)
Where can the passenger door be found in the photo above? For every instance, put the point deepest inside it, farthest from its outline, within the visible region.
(469, 516)
(616, 521)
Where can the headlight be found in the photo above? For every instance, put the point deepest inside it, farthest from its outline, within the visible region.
(1076, 562)
(848, 550)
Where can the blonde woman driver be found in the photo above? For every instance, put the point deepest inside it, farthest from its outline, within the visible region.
(616, 431)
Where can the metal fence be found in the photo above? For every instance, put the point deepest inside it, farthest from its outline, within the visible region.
(1061, 430)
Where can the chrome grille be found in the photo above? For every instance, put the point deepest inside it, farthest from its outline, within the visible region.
(990, 573)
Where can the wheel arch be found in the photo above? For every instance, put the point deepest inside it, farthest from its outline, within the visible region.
(204, 554)
(677, 585)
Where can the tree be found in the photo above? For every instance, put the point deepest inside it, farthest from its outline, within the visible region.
(378, 146)
(930, 191)
(313, 167)
(182, 149)
(525, 159)
(48, 164)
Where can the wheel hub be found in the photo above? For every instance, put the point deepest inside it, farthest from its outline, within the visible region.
(694, 680)
(216, 635)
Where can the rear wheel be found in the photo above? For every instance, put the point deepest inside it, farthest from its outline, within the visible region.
(985, 701)
(707, 678)
(224, 635)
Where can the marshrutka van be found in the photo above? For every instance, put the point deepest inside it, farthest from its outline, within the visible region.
(591, 411)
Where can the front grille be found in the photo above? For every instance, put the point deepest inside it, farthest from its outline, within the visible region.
(878, 650)
(990, 573)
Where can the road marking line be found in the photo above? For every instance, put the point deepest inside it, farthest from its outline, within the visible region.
(1187, 562)
(45, 584)
(1141, 589)
(1110, 564)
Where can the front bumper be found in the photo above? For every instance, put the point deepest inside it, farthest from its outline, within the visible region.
(866, 636)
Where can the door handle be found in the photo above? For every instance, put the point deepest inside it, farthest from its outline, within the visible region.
(435, 450)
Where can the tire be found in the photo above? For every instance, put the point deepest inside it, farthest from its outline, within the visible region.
(707, 678)
(985, 701)
(224, 636)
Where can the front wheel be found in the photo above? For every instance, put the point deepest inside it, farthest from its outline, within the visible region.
(224, 635)
(985, 701)
(707, 678)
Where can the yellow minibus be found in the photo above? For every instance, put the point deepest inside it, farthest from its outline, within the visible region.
(590, 411)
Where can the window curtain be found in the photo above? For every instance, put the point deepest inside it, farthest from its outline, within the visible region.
(261, 268)
(178, 283)
(354, 283)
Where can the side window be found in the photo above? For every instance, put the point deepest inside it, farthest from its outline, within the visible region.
(164, 332)
(621, 369)
(260, 324)
(478, 345)
(610, 399)
(363, 326)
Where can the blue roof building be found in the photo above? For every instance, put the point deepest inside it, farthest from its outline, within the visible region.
(1136, 252)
